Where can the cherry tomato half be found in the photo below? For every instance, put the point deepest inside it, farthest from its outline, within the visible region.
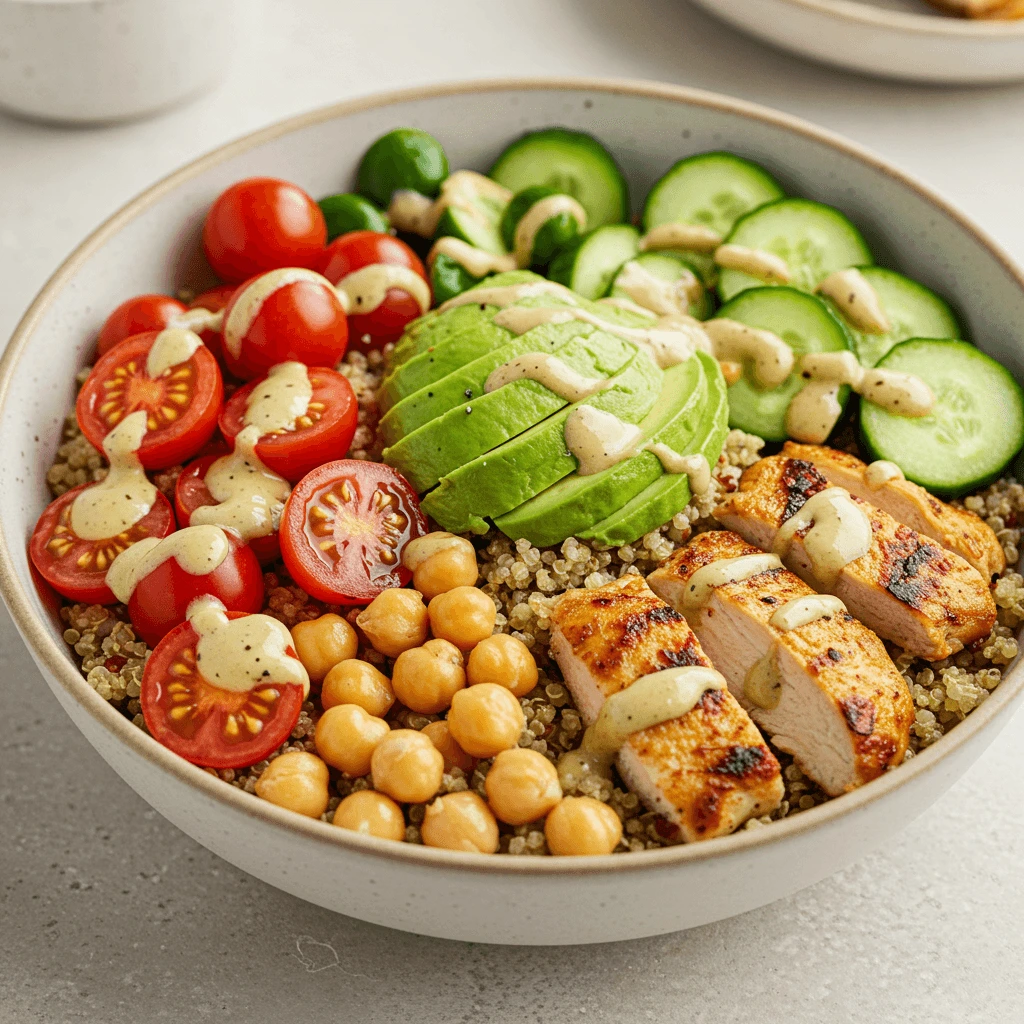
(344, 528)
(290, 314)
(214, 300)
(77, 568)
(260, 224)
(161, 598)
(135, 316)
(359, 249)
(205, 724)
(322, 434)
(182, 402)
(191, 492)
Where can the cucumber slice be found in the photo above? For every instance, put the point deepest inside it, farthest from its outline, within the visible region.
(449, 278)
(913, 311)
(975, 429)
(589, 265)
(712, 189)
(815, 240)
(806, 324)
(669, 266)
(573, 163)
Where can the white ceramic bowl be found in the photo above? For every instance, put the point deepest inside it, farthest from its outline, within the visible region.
(152, 244)
(888, 38)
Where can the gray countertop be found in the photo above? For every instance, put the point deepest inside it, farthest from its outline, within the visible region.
(108, 913)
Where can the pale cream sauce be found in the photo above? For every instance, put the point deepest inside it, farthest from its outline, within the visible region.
(198, 550)
(599, 440)
(172, 346)
(199, 320)
(125, 495)
(675, 235)
(476, 262)
(623, 303)
(708, 578)
(881, 472)
(655, 294)
(694, 466)
(859, 303)
(732, 341)
(509, 294)
(803, 610)
(537, 216)
(365, 289)
(419, 549)
(762, 685)
(550, 372)
(274, 405)
(813, 412)
(759, 263)
(415, 213)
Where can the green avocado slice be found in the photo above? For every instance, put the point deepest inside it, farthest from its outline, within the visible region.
(670, 492)
(499, 481)
(475, 427)
(577, 502)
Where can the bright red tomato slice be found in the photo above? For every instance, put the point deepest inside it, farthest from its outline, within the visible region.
(135, 316)
(161, 598)
(344, 528)
(322, 434)
(191, 492)
(182, 403)
(260, 224)
(77, 568)
(204, 724)
(358, 249)
(214, 300)
(282, 315)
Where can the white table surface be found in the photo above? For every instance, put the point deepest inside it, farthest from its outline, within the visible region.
(108, 913)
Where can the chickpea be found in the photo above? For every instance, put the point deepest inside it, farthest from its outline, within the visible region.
(346, 737)
(460, 821)
(371, 814)
(358, 682)
(581, 825)
(440, 562)
(504, 660)
(454, 756)
(321, 643)
(425, 679)
(522, 786)
(407, 766)
(298, 781)
(464, 616)
(394, 621)
(486, 719)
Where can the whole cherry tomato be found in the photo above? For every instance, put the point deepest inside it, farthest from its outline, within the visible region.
(134, 316)
(215, 299)
(374, 327)
(261, 224)
(286, 314)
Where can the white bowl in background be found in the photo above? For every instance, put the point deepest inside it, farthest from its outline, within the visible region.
(898, 40)
(153, 245)
(95, 61)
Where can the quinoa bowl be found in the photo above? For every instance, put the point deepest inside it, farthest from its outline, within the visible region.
(433, 891)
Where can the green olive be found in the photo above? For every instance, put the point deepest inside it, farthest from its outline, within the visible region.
(348, 212)
(405, 158)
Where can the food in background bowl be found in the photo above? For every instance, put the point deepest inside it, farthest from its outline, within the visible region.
(999, 10)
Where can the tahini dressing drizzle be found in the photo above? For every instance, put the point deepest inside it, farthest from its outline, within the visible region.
(759, 263)
(653, 293)
(548, 370)
(803, 610)
(859, 303)
(365, 289)
(476, 262)
(707, 578)
(415, 213)
(734, 342)
(536, 217)
(881, 472)
(675, 235)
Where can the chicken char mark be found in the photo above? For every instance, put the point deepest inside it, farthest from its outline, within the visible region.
(800, 481)
(903, 559)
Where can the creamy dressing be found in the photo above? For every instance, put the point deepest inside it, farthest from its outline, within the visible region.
(619, 302)
(415, 213)
(549, 371)
(881, 472)
(419, 549)
(693, 237)
(598, 439)
(281, 399)
(732, 341)
(248, 305)
(759, 263)
(244, 653)
(125, 495)
(198, 550)
(813, 412)
(853, 295)
(656, 294)
(803, 610)
(694, 466)
(537, 216)
(708, 578)
(503, 296)
(476, 262)
(173, 345)
(838, 532)
(199, 320)
(365, 289)
(762, 685)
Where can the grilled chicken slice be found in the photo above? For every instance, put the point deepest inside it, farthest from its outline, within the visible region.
(843, 711)
(907, 590)
(707, 771)
(956, 529)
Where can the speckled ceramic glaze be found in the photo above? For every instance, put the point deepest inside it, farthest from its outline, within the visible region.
(888, 38)
(152, 245)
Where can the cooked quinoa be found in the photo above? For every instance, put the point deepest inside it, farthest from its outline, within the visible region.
(523, 581)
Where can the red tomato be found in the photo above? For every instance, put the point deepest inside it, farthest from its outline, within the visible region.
(182, 403)
(344, 528)
(143, 313)
(358, 249)
(161, 598)
(191, 492)
(205, 724)
(260, 224)
(299, 319)
(214, 300)
(77, 568)
(322, 434)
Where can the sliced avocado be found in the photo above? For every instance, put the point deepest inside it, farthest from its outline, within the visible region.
(670, 492)
(475, 427)
(577, 502)
(499, 481)
(467, 382)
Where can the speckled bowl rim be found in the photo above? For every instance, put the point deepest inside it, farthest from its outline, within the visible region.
(925, 23)
(54, 655)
